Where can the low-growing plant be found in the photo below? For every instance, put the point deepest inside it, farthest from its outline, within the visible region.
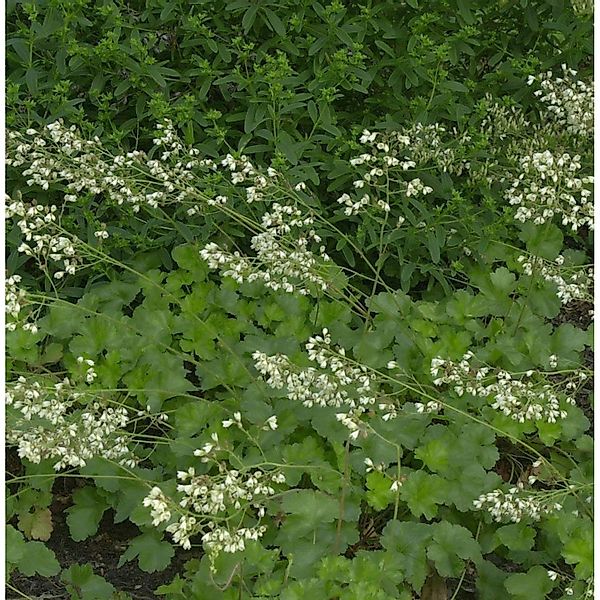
(327, 325)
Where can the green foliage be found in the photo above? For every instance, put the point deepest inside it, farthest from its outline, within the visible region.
(83, 584)
(376, 502)
(85, 514)
(533, 584)
(152, 553)
(30, 558)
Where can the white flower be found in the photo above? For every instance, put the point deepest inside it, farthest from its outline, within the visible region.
(336, 381)
(516, 505)
(548, 186)
(367, 136)
(281, 262)
(63, 431)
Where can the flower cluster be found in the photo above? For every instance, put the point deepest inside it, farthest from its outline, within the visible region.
(522, 399)
(386, 156)
(589, 592)
(573, 283)
(515, 505)
(45, 423)
(548, 186)
(568, 100)
(269, 425)
(214, 494)
(243, 171)
(90, 373)
(380, 164)
(206, 499)
(336, 382)
(432, 406)
(583, 7)
(502, 121)
(283, 261)
(220, 539)
(60, 153)
(32, 400)
(15, 299)
(158, 504)
(44, 240)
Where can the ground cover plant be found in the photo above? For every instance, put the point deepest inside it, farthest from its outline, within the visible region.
(298, 300)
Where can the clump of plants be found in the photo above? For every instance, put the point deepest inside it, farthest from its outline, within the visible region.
(365, 376)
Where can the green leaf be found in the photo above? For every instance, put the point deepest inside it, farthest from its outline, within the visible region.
(464, 10)
(275, 22)
(579, 551)
(451, 543)
(289, 147)
(193, 417)
(435, 454)
(423, 493)
(533, 585)
(455, 86)
(379, 494)
(392, 305)
(15, 545)
(434, 247)
(312, 508)
(386, 48)
(31, 78)
(187, 256)
(107, 475)
(36, 525)
(160, 375)
(567, 340)
(39, 559)
(21, 47)
(249, 17)
(468, 483)
(85, 514)
(312, 111)
(542, 240)
(122, 88)
(503, 280)
(407, 542)
(517, 536)
(476, 444)
(531, 17)
(372, 343)
(84, 584)
(130, 496)
(490, 581)
(153, 553)
(174, 589)
(542, 299)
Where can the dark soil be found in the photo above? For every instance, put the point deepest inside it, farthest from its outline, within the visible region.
(576, 312)
(102, 552)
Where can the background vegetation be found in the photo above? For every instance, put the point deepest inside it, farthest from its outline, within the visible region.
(164, 338)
